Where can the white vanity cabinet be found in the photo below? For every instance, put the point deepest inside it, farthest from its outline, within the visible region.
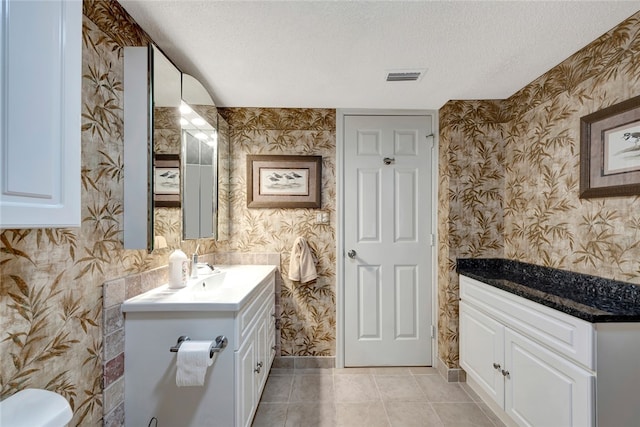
(536, 366)
(241, 306)
(40, 98)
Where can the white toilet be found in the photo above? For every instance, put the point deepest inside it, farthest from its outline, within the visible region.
(35, 408)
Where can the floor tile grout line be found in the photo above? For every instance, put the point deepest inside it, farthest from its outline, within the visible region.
(436, 413)
(384, 407)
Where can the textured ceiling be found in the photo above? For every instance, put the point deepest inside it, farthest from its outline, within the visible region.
(335, 54)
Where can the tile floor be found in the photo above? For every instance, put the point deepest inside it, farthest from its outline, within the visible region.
(369, 397)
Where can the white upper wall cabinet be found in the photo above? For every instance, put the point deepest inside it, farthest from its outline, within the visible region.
(40, 99)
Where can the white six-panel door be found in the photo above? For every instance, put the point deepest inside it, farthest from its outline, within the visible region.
(387, 240)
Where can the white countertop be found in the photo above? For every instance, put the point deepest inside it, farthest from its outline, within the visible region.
(228, 288)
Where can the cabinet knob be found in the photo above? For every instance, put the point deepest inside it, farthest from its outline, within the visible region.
(496, 366)
(505, 373)
(257, 370)
(259, 364)
(273, 347)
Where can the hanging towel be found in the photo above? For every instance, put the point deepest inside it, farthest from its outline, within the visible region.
(302, 267)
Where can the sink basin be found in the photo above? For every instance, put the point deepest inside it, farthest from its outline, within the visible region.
(210, 282)
(228, 288)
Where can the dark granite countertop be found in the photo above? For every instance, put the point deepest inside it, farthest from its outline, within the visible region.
(591, 298)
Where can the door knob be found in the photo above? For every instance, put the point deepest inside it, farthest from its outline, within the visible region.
(351, 254)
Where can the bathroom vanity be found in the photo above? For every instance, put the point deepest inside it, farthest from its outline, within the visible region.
(548, 347)
(237, 302)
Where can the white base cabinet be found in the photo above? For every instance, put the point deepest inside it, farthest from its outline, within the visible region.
(538, 366)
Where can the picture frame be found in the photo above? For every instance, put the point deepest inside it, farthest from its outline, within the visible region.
(166, 180)
(283, 181)
(610, 151)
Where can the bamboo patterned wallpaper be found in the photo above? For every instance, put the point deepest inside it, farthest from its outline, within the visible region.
(514, 166)
(308, 310)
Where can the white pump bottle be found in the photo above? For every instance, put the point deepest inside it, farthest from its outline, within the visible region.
(178, 269)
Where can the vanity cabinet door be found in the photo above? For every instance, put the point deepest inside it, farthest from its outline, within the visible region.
(246, 391)
(271, 332)
(262, 365)
(544, 389)
(253, 359)
(482, 350)
(40, 98)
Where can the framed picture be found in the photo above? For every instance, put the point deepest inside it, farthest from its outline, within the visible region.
(166, 180)
(610, 151)
(284, 181)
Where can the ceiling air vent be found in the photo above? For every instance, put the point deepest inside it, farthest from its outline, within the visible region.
(404, 76)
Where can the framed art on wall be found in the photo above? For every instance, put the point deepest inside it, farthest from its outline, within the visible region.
(166, 180)
(610, 151)
(284, 181)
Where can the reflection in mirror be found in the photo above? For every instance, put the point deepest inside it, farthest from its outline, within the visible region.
(196, 180)
(200, 141)
(166, 101)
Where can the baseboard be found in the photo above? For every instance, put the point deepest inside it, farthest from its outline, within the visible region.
(304, 362)
(451, 375)
(491, 404)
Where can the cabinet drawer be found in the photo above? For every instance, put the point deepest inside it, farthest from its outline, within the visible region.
(565, 334)
(248, 316)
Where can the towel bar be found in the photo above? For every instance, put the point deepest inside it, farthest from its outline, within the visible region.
(219, 345)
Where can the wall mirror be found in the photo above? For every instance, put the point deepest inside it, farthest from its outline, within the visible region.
(199, 166)
(199, 161)
(160, 205)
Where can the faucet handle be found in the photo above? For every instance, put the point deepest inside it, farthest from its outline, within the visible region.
(206, 265)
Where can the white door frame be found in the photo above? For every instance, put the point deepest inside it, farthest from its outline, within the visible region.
(340, 114)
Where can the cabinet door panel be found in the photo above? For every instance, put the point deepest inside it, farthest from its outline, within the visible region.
(271, 333)
(543, 389)
(40, 99)
(262, 352)
(482, 346)
(245, 382)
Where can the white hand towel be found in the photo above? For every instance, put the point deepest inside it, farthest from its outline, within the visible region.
(192, 363)
(302, 266)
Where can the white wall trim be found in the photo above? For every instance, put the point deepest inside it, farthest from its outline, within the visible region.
(340, 115)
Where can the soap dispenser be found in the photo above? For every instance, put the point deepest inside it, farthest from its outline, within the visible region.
(178, 269)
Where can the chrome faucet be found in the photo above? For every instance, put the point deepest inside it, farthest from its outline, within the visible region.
(194, 263)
